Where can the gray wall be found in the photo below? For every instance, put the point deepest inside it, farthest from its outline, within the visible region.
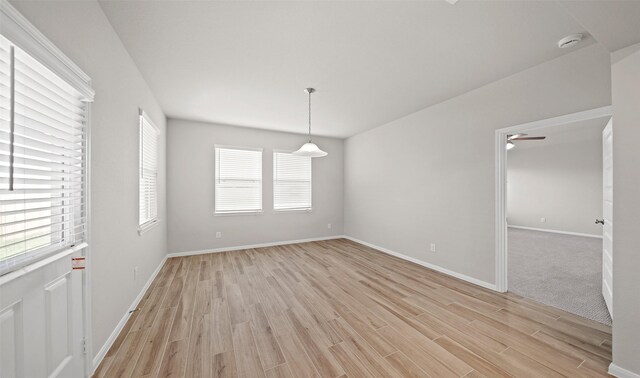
(192, 225)
(626, 209)
(559, 179)
(430, 177)
(82, 32)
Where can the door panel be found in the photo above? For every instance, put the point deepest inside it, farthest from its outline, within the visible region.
(58, 308)
(41, 321)
(607, 212)
(11, 356)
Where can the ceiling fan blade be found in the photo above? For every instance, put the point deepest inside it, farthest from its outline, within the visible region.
(515, 136)
(529, 138)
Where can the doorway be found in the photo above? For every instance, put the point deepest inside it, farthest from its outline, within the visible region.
(550, 193)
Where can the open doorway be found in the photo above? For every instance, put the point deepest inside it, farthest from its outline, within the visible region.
(551, 213)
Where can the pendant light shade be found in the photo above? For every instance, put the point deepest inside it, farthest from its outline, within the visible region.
(310, 149)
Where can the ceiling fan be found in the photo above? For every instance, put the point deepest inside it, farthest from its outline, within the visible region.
(521, 136)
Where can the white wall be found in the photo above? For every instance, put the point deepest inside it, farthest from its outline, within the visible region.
(192, 225)
(626, 209)
(429, 177)
(83, 33)
(559, 179)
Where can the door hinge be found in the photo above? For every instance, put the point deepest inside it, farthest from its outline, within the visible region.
(84, 345)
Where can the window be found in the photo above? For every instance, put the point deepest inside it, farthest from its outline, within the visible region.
(238, 180)
(42, 160)
(148, 195)
(291, 182)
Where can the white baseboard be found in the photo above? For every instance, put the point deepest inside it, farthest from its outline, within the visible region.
(437, 268)
(105, 347)
(619, 372)
(556, 231)
(262, 245)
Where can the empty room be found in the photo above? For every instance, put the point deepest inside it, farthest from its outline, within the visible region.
(319, 188)
(557, 254)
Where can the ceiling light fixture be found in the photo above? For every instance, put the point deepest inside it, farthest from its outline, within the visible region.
(310, 149)
(510, 145)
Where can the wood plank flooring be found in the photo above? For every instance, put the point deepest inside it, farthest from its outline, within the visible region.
(339, 309)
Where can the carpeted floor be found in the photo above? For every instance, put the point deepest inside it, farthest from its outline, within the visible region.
(562, 271)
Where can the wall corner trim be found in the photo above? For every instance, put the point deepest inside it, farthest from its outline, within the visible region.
(107, 344)
(437, 268)
(250, 246)
(619, 372)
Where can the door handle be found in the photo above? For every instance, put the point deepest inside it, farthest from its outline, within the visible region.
(601, 221)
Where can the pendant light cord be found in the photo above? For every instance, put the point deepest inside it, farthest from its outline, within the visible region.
(310, 116)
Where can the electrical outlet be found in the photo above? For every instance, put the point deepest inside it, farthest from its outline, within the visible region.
(433, 247)
(135, 273)
(543, 220)
(329, 225)
(218, 235)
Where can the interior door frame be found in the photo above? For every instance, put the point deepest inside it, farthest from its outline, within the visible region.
(501, 179)
(89, 366)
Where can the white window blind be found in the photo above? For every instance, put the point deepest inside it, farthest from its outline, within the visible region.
(238, 186)
(42, 160)
(148, 194)
(291, 181)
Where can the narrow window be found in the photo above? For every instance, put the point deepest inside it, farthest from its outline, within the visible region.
(148, 195)
(238, 176)
(291, 182)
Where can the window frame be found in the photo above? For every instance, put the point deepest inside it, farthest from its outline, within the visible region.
(22, 35)
(295, 210)
(215, 184)
(151, 222)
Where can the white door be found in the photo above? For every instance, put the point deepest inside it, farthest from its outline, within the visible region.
(41, 322)
(43, 207)
(607, 211)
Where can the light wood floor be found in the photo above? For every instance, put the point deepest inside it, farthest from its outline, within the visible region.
(338, 309)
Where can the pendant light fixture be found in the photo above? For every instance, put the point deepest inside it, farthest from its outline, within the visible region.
(310, 149)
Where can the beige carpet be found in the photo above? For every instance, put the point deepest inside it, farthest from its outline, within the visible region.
(562, 271)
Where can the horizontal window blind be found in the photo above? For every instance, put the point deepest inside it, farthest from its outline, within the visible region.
(238, 186)
(42, 159)
(148, 195)
(291, 181)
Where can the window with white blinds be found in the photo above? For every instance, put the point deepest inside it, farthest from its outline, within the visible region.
(291, 181)
(238, 186)
(42, 160)
(148, 194)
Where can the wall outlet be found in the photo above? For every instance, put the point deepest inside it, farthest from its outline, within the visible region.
(433, 247)
(218, 235)
(543, 220)
(329, 225)
(135, 273)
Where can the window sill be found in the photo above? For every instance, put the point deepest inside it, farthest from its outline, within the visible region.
(32, 265)
(293, 211)
(147, 226)
(231, 214)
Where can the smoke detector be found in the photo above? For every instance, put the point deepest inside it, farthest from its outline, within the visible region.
(569, 41)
